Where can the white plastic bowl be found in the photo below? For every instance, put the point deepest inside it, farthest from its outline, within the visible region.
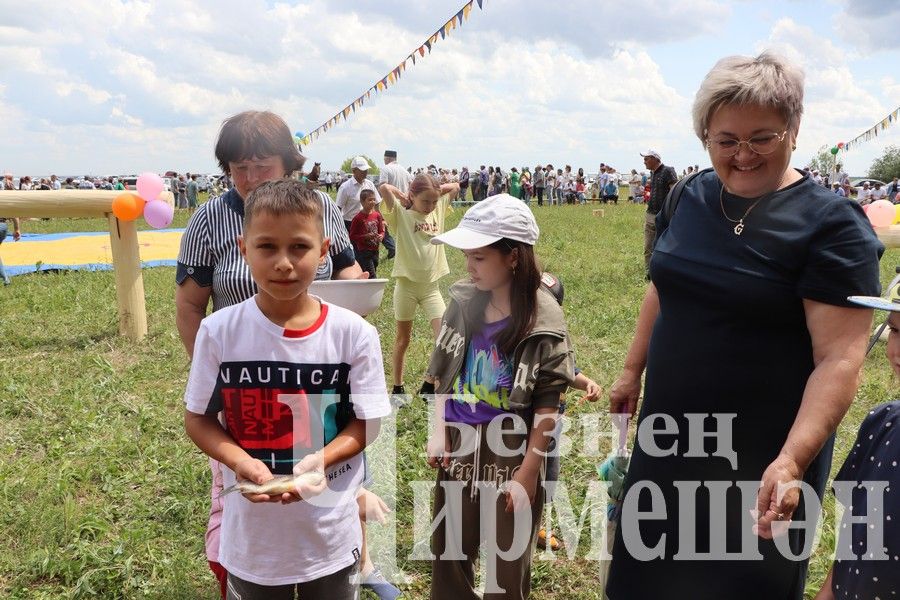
(362, 296)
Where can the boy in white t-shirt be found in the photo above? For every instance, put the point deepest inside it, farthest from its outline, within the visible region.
(298, 382)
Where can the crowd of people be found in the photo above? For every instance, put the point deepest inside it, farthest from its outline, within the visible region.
(746, 319)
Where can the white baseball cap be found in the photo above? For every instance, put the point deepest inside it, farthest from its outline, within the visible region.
(652, 153)
(489, 221)
(360, 163)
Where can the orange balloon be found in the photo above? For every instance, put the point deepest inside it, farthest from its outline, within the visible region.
(128, 207)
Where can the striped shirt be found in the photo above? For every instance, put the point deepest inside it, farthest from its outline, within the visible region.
(210, 256)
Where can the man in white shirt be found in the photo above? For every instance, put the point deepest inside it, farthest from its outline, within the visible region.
(864, 194)
(329, 181)
(878, 193)
(348, 194)
(394, 174)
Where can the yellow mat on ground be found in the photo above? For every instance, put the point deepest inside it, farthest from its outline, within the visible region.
(90, 251)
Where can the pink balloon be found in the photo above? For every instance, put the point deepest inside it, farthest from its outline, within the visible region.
(158, 214)
(882, 213)
(149, 186)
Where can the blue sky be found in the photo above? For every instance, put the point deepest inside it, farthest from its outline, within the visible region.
(108, 87)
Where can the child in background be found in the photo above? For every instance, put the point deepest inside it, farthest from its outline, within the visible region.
(274, 365)
(418, 265)
(875, 458)
(367, 232)
(503, 350)
(592, 392)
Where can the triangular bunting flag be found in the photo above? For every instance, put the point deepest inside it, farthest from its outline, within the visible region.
(394, 75)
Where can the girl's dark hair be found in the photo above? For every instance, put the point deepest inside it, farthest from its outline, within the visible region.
(522, 296)
(257, 134)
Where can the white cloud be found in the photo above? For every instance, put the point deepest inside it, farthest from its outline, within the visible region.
(871, 25)
(837, 105)
(142, 85)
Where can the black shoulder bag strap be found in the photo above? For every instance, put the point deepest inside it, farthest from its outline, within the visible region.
(674, 195)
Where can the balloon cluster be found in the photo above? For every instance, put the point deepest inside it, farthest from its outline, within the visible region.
(836, 149)
(157, 212)
(882, 213)
(298, 138)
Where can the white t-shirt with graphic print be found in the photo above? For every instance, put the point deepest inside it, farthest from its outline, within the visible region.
(284, 394)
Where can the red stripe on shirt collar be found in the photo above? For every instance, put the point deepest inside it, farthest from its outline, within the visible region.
(299, 333)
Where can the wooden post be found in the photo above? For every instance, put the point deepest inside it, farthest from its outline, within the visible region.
(889, 236)
(129, 280)
(122, 235)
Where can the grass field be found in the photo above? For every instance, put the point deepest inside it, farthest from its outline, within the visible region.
(103, 496)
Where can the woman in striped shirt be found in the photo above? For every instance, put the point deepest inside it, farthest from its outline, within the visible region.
(253, 148)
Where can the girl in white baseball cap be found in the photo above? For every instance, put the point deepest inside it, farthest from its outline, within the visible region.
(503, 353)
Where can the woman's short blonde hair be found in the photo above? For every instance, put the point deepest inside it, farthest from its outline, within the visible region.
(766, 80)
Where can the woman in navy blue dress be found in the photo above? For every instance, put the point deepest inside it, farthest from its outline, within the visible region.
(745, 330)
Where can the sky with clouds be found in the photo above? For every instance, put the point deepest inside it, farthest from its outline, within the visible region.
(115, 87)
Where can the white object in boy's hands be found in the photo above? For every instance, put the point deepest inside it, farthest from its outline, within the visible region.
(362, 296)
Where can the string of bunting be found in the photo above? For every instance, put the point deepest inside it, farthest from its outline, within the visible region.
(394, 75)
(872, 132)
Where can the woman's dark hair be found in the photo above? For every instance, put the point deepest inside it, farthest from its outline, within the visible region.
(257, 134)
(522, 296)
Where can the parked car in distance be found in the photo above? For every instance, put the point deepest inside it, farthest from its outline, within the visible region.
(859, 181)
(130, 183)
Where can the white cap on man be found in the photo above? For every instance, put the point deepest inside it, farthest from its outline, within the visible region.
(491, 220)
(360, 163)
(651, 153)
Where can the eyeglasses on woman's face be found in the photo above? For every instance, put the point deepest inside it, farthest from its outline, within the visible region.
(761, 143)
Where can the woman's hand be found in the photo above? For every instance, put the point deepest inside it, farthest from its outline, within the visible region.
(438, 448)
(624, 394)
(774, 515)
(521, 496)
(371, 507)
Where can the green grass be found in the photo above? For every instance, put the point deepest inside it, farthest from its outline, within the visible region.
(103, 496)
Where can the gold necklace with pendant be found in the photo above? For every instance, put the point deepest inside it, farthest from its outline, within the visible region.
(739, 228)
